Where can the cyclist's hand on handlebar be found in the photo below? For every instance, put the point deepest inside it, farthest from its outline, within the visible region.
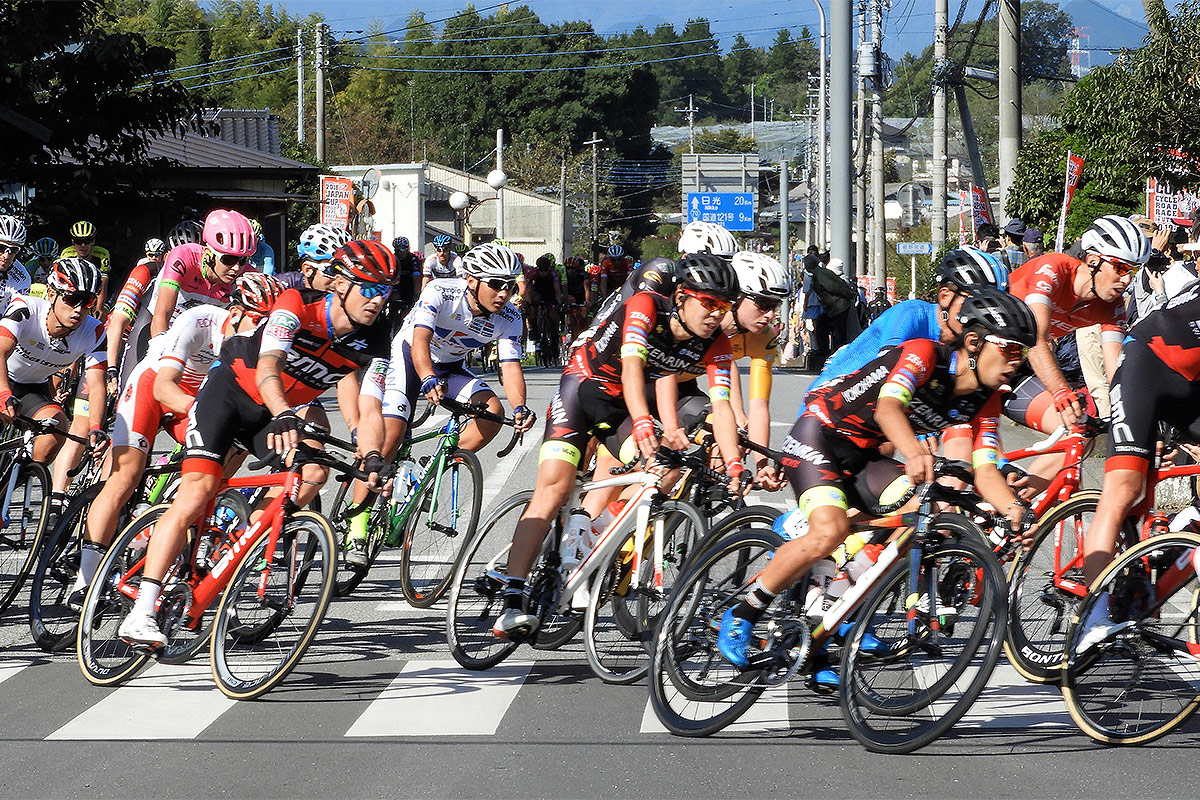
(920, 468)
(736, 471)
(283, 432)
(99, 441)
(1022, 522)
(379, 472)
(523, 418)
(675, 438)
(644, 438)
(769, 478)
(432, 388)
(9, 407)
(1066, 402)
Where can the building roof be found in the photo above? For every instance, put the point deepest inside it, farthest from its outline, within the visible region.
(204, 152)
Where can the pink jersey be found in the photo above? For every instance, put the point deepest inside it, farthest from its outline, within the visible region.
(182, 270)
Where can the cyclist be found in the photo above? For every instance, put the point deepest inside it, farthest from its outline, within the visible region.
(202, 273)
(263, 388)
(315, 249)
(444, 263)
(127, 322)
(611, 272)
(39, 337)
(452, 318)
(159, 393)
(263, 259)
(409, 267)
(649, 337)
(83, 245)
(45, 252)
(919, 386)
(546, 298)
(14, 278)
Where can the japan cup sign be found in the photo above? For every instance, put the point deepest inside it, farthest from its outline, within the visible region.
(337, 201)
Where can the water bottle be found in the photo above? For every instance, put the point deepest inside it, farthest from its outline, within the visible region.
(573, 540)
(791, 525)
(862, 561)
(406, 477)
(819, 576)
(600, 525)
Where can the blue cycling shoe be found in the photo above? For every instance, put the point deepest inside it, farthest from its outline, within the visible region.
(869, 644)
(825, 680)
(733, 640)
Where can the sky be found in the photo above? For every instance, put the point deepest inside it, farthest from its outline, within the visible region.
(908, 26)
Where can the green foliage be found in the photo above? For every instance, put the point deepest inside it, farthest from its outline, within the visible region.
(723, 140)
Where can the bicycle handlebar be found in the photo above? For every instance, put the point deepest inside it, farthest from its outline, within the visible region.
(480, 411)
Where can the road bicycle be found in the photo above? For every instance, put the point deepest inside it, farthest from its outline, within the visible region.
(51, 622)
(1046, 581)
(627, 574)
(933, 603)
(273, 580)
(432, 512)
(24, 503)
(1138, 678)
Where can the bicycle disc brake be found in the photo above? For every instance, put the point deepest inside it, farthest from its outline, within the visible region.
(788, 644)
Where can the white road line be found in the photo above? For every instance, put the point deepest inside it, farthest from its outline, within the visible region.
(769, 713)
(10, 668)
(165, 702)
(1009, 701)
(440, 698)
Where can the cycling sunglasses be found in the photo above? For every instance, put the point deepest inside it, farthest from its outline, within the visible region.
(501, 285)
(1008, 348)
(8, 248)
(83, 241)
(77, 299)
(765, 305)
(233, 261)
(711, 304)
(372, 290)
(1122, 268)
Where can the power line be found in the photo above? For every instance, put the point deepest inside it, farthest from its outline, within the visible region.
(223, 61)
(464, 56)
(525, 71)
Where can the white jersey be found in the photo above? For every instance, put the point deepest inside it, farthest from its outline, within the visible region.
(191, 344)
(435, 269)
(14, 282)
(37, 356)
(443, 308)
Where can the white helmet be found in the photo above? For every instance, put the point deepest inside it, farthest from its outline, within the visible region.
(760, 275)
(491, 260)
(12, 230)
(155, 247)
(706, 237)
(1117, 237)
(319, 241)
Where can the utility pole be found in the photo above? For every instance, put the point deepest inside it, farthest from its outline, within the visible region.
(841, 78)
(937, 224)
(691, 115)
(562, 204)
(300, 85)
(810, 207)
(822, 129)
(752, 136)
(784, 240)
(595, 143)
(861, 226)
(1010, 95)
(878, 238)
(320, 63)
(500, 190)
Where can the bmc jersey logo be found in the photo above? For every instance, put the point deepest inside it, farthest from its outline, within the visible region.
(310, 370)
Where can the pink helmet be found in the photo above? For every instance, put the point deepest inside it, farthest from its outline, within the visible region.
(229, 233)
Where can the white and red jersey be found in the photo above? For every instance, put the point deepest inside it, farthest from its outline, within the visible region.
(434, 268)
(192, 344)
(183, 271)
(37, 356)
(14, 281)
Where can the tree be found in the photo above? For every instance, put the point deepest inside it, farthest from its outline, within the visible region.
(741, 66)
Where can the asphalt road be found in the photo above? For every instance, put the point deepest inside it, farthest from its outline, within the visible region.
(378, 708)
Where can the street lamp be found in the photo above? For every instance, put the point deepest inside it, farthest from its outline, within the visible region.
(497, 180)
(464, 205)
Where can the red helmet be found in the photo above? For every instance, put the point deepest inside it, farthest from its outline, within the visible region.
(365, 260)
(257, 292)
(229, 233)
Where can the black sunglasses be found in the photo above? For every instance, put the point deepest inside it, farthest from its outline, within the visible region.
(234, 261)
(9, 248)
(83, 241)
(77, 299)
(765, 305)
(501, 285)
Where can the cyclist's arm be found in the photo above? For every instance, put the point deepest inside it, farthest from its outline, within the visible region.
(94, 375)
(422, 361)
(370, 408)
(167, 391)
(666, 396)
(717, 363)
(1041, 355)
(735, 396)
(514, 382)
(985, 458)
(913, 368)
(118, 323)
(759, 407)
(168, 295)
(7, 345)
(1111, 350)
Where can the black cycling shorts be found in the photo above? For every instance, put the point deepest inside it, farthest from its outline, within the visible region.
(1144, 392)
(222, 416)
(692, 409)
(34, 397)
(579, 410)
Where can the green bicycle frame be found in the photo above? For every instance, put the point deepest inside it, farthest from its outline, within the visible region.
(400, 513)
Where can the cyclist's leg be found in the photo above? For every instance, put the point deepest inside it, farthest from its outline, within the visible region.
(37, 405)
(1032, 405)
(465, 387)
(71, 451)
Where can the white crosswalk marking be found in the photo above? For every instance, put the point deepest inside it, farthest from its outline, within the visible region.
(165, 702)
(769, 713)
(440, 698)
(1010, 702)
(10, 668)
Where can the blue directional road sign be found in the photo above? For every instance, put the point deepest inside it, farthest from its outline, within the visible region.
(734, 210)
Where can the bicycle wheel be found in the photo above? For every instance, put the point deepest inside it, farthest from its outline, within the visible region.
(758, 516)
(694, 691)
(621, 616)
(475, 592)
(440, 524)
(1143, 678)
(1039, 606)
(273, 607)
(22, 524)
(347, 578)
(901, 699)
(51, 623)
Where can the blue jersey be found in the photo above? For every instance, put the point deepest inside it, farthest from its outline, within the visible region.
(911, 319)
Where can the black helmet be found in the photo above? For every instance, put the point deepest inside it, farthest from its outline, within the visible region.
(967, 267)
(704, 272)
(998, 313)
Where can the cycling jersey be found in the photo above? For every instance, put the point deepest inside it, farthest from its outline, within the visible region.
(574, 285)
(37, 356)
(300, 326)
(615, 270)
(656, 275)
(1049, 280)
(444, 309)
(99, 256)
(1172, 334)
(761, 348)
(434, 268)
(920, 374)
(14, 281)
(263, 259)
(130, 304)
(408, 266)
(545, 286)
(183, 271)
(911, 319)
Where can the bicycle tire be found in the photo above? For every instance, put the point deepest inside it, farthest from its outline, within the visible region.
(693, 690)
(21, 531)
(1130, 688)
(1039, 613)
(51, 623)
(756, 516)
(298, 582)
(431, 552)
(348, 578)
(888, 701)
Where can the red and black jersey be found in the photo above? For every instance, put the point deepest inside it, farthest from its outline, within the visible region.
(300, 325)
(641, 326)
(1173, 332)
(919, 373)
